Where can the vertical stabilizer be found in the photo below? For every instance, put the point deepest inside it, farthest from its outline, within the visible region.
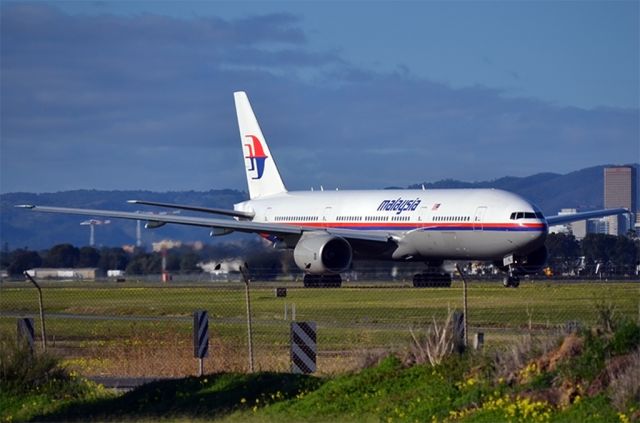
(263, 177)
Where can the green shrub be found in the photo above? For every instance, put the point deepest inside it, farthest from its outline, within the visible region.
(586, 366)
(22, 371)
(626, 338)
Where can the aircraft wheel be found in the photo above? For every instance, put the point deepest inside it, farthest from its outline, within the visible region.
(445, 281)
(311, 281)
(322, 281)
(511, 281)
(432, 280)
(333, 281)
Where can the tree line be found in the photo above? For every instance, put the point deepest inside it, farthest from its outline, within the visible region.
(615, 254)
(136, 262)
(565, 255)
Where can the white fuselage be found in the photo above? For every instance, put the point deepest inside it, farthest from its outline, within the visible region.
(473, 224)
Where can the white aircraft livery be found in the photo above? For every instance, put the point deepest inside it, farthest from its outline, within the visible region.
(327, 230)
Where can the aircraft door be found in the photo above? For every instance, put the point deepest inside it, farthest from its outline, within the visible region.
(267, 214)
(422, 216)
(327, 216)
(478, 218)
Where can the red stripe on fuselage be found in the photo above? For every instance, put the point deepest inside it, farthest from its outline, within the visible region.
(477, 225)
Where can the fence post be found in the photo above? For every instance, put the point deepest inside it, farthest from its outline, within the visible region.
(200, 338)
(303, 347)
(41, 306)
(245, 275)
(26, 332)
(478, 341)
(458, 331)
(464, 307)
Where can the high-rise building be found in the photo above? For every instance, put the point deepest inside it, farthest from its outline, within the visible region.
(620, 191)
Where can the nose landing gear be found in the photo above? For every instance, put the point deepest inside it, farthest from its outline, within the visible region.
(511, 280)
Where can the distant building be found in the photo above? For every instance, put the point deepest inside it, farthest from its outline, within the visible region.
(564, 228)
(165, 244)
(579, 229)
(598, 226)
(620, 191)
(90, 273)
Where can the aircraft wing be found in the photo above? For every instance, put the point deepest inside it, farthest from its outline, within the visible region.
(236, 225)
(568, 218)
(225, 212)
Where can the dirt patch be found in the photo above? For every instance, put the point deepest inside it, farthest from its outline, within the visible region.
(614, 368)
(571, 346)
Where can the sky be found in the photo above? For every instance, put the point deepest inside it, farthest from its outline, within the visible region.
(362, 95)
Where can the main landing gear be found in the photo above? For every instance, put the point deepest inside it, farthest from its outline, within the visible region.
(323, 281)
(432, 280)
(433, 277)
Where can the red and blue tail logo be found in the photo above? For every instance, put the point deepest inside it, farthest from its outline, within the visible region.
(256, 156)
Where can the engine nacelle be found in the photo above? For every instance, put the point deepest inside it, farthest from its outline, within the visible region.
(153, 224)
(532, 262)
(318, 253)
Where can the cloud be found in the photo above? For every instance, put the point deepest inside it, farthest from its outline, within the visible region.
(145, 102)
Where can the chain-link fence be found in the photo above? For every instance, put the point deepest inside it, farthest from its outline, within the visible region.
(144, 328)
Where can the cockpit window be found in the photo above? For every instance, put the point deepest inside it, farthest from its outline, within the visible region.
(525, 215)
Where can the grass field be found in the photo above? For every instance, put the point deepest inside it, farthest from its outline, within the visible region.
(137, 329)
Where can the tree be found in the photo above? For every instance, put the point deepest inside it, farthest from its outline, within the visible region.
(21, 260)
(173, 261)
(563, 250)
(624, 252)
(88, 257)
(113, 258)
(189, 263)
(144, 264)
(617, 250)
(62, 255)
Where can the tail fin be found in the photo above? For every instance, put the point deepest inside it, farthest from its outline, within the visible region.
(263, 177)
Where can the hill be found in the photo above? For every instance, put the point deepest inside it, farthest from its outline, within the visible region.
(582, 189)
(42, 230)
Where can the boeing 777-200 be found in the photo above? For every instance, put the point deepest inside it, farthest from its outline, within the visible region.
(327, 230)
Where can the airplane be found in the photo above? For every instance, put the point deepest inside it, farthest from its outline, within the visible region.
(328, 230)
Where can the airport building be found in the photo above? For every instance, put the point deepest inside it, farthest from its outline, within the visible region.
(69, 274)
(620, 191)
(579, 229)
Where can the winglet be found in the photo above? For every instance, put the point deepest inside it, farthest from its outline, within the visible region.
(25, 206)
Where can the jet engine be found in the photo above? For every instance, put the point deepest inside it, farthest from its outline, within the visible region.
(319, 253)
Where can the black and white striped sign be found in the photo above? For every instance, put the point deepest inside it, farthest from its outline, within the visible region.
(26, 331)
(200, 334)
(303, 347)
